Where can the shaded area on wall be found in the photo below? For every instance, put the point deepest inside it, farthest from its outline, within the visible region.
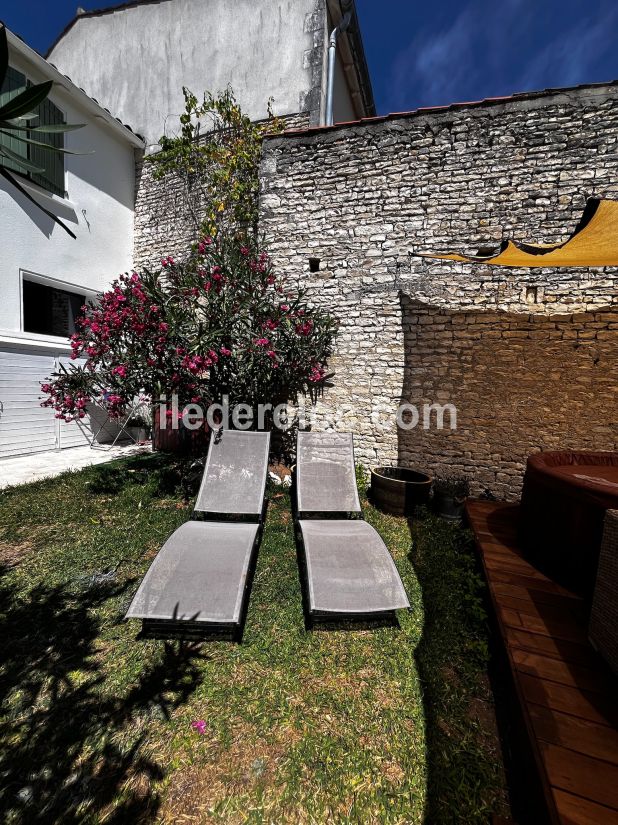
(520, 383)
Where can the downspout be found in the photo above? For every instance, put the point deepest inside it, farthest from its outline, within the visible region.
(332, 58)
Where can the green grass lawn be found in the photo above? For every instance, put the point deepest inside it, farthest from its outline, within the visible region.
(336, 725)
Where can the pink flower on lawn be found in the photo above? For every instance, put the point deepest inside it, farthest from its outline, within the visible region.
(120, 371)
(225, 351)
(200, 726)
(261, 342)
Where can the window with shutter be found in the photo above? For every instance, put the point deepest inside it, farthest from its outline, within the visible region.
(52, 179)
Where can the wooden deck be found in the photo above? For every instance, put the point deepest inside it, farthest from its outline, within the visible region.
(568, 696)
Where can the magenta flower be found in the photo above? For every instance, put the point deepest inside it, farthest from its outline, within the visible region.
(200, 726)
(317, 374)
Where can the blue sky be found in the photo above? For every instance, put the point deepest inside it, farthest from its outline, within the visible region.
(430, 54)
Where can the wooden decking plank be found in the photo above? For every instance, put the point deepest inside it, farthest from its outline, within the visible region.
(565, 612)
(508, 577)
(560, 672)
(496, 547)
(552, 604)
(540, 596)
(582, 736)
(544, 625)
(582, 775)
(567, 693)
(548, 646)
(573, 810)
(525, 571)
(594, 707)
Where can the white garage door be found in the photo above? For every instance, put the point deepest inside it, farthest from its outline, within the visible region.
(25, 426)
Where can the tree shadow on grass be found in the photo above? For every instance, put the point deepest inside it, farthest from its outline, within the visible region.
(163, 474)
(71, 750)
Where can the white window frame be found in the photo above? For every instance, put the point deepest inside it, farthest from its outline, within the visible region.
(55, 283)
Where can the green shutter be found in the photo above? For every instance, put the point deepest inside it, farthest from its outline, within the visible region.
(14, 82)
(53, 178)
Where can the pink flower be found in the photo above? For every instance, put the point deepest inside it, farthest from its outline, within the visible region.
(225, 351)
(120, 371)
(261, 342)
(200, 726)
(284, 307)
(304, 328)
(244, 251)
(316, 375)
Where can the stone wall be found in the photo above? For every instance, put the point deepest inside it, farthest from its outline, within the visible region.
(528, 356)
(168, 213)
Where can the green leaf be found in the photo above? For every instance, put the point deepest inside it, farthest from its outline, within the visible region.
(6, 174)
(30, 116)
(20, 161)
(24, 102)
(44, 145)
(49, 129)
(4, 55)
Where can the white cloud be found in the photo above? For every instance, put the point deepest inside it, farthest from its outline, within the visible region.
(496, 48)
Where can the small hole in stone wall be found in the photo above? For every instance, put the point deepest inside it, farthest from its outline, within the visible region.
(532, 294)
(314, 264)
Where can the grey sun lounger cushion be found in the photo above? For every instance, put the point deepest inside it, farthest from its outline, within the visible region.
(349, 568)
(199, 574)
(235, 476)
(325, 474)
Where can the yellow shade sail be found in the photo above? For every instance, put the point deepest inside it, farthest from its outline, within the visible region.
(594, 243)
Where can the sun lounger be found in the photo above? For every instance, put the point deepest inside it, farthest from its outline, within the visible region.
(199, 581)
(348, 569)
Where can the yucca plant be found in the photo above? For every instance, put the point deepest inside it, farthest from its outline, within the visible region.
(15, 117)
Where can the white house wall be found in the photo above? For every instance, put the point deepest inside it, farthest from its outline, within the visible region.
(135, 61)
(99, 210)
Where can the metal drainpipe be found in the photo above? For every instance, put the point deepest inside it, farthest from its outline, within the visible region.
(332, 57)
